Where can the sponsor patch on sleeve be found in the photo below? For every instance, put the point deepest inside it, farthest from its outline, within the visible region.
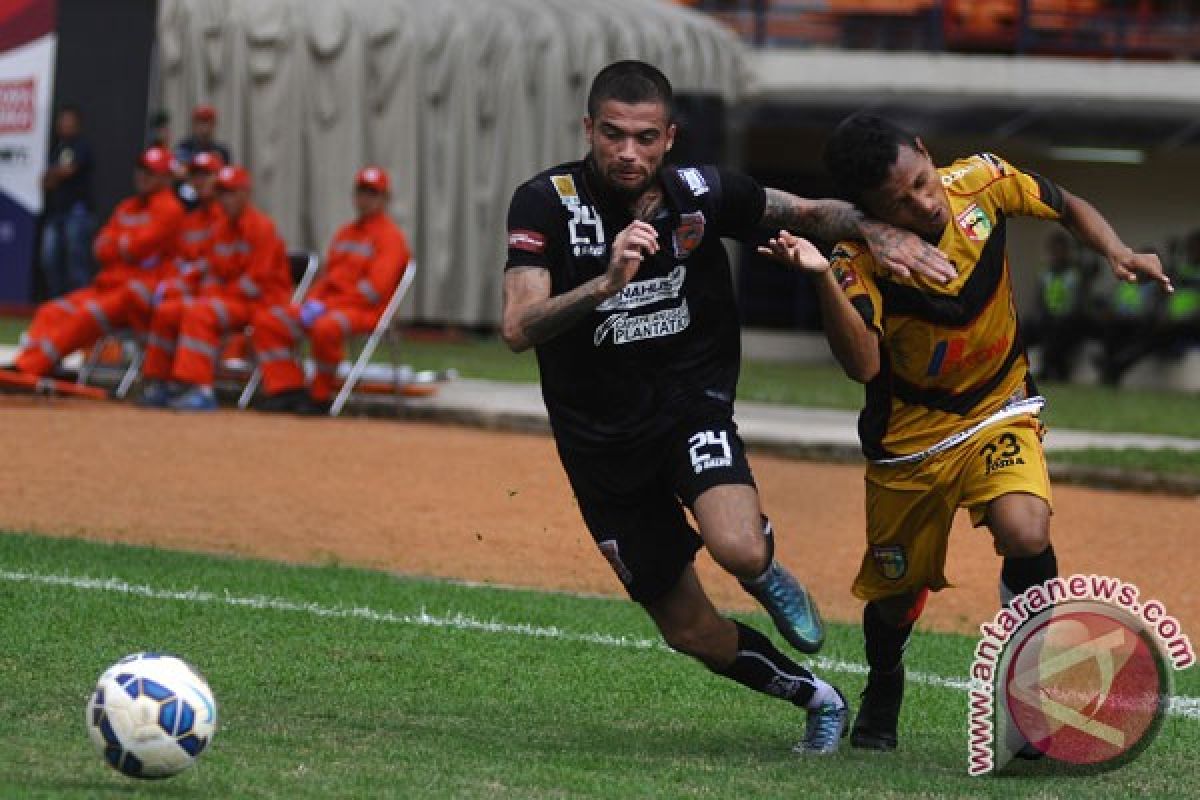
(529, 241)
(565, 186)
(694, 180)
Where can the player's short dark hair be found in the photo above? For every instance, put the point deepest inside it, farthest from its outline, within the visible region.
(630, 82)
(861, 150)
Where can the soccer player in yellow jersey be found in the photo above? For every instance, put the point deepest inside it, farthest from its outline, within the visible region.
(950, 419)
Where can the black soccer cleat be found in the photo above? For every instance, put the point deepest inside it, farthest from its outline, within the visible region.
(879, 714)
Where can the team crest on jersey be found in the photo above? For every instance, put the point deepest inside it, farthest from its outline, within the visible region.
(844, 276)
(694, 180)
(565, 186)
(891, 561)
(975, 223)
(689, 234)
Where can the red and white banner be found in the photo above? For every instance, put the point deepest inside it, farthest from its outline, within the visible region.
(27, 47)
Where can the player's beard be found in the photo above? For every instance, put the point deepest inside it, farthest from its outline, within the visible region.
(643, 200)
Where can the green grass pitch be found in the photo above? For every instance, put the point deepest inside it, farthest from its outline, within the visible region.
(343, 683)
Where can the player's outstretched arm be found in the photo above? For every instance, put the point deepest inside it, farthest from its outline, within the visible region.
(532, 316)
(1091, 228)
(900, 252)
(853, 342)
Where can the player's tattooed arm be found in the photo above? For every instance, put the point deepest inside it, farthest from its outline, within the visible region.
(899, 251)
(532, 316)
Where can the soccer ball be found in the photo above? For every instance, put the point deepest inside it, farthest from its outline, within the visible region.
(151, 715)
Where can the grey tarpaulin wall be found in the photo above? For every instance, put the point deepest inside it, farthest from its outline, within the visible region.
(460, 100)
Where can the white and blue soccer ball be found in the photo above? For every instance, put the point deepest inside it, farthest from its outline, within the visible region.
(151, 715)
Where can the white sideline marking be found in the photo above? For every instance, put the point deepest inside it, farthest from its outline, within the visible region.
(1188, 707)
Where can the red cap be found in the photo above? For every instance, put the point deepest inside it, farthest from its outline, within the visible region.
(206, 161)
(373, 178)
(204, 112)
(232, 178)
(157, 160)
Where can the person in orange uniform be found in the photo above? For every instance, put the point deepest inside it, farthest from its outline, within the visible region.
(366, 260)
(132, 248)
(193, 253)
(248, 270)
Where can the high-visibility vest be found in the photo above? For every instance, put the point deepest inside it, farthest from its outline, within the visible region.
(1060, 291)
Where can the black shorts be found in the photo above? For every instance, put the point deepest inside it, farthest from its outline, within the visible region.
(632, 499)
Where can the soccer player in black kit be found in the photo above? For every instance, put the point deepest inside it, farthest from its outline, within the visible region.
(617, 275)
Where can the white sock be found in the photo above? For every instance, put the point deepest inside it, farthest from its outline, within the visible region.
(825, 694)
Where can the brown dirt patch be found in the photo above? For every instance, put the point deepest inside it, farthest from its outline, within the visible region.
(435, 500)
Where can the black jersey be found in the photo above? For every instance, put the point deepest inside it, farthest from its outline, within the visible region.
(642, 359)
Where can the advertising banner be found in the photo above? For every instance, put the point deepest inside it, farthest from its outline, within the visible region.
(27, 44)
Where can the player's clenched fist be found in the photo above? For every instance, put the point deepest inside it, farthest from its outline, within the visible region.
(632, 244)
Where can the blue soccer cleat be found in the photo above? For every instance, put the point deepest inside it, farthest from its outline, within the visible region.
(792, 610)
(198, 398)
(825, 728)
(155, 394)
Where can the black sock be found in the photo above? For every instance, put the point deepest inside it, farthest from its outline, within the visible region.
(1019, 574)
(760, 666)
(885, 643)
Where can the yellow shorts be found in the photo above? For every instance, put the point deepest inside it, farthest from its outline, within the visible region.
(910, 507)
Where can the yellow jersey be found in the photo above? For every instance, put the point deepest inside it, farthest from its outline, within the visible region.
(950, 355)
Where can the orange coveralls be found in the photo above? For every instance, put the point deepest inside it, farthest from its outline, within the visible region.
(194, 255)
(248, 270)
(134, 249)
(365, 263)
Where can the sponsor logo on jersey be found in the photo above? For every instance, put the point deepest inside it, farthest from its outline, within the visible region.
(626, 329)
(689, 234)
(565, 186)
(694, 180)
(891, 561)
(644, 293)
(975, 223)
(956, 174)
(529, 241)
(951, 356)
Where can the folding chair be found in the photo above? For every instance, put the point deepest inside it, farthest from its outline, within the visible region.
(305, 265)
(383, 327)
(132, 348)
